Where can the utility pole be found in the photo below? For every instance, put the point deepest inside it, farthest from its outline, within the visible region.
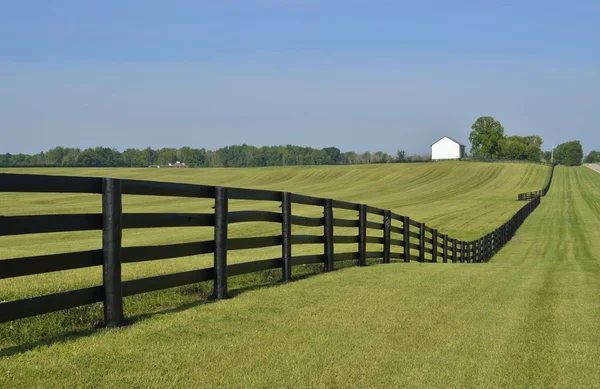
(552, 158)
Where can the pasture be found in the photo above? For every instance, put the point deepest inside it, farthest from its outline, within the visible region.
(398, 324)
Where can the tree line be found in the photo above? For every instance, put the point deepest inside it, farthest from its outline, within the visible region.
(489, 142)
(230, 156)
(592, 157)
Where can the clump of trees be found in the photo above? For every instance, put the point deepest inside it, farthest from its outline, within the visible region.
(229, 156)
(569, 153)
(488, 141)
(592, 157)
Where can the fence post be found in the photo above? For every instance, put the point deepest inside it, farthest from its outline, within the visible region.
(220, 257)
(472, 252)
(362, 235)
(387, 223)
(421, 242)
(445, 252)
(484, 249)
(406, 224)
(454, 250)
(496, 248)
(434, 246)
(112, 211)
(462, 251)
(328, 213)
(477, 250)
(286, 233)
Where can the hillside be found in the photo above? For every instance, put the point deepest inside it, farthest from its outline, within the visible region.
(461, 199)
(528, 318)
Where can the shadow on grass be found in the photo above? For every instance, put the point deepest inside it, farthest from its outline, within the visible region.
(238, 287)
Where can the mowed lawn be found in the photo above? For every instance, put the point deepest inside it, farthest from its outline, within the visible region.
(528, 318)
(377, 326)
(464, 200)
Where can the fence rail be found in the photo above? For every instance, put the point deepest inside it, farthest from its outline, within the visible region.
(412, 240)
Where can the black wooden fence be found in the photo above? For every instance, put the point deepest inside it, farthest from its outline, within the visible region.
(528, 196)
(417, 242)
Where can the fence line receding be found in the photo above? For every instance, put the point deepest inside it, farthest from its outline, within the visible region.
(417, 242)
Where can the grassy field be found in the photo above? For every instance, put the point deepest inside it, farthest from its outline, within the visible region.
(462, 199)
(528, 318)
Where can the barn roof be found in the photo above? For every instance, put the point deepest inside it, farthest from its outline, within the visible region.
(453, 140)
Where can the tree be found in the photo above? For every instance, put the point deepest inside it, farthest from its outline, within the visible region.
(166, 156)
(100, 157)
(4, 160)
(521, 148)
(332, 155)
(54, 157)
(486, 137)
(400, 156)
(569, 153)
(547, 156)
(593, 157)
(70, 156)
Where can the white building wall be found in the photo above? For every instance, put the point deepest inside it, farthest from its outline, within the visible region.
(445, 148)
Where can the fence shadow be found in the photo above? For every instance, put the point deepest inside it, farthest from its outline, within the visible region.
(70, 336)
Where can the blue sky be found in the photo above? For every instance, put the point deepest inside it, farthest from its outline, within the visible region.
(359, 75)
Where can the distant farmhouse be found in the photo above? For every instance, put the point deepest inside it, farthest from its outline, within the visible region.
(447, 148)
(176, 165)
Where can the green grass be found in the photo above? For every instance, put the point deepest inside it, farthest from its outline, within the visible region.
(528, 318)
(464, 200)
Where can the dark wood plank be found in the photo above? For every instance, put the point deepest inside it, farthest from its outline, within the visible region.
(375, 239)
(151, 284)
(254, 243)
(345, 223)
(307, 239)
(307, 221)
(254, 266)
(415, 235)
(308, 259)
(374, 254)
(153, 253)
(253, 194)
(10, 182)
(345, 239)
(34, 306)
(414, 223)
(375, 210)
(253, 216)
(397, 217)
(397, 242)
(375, 226)
(397, 230)
(345, 256)
(38, 224)
(159, 220)
(171, 189)
(345, 205)
(18, 267)
(307, 200)
(395, 255)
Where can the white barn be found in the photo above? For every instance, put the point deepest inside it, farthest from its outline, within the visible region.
(447, 148)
